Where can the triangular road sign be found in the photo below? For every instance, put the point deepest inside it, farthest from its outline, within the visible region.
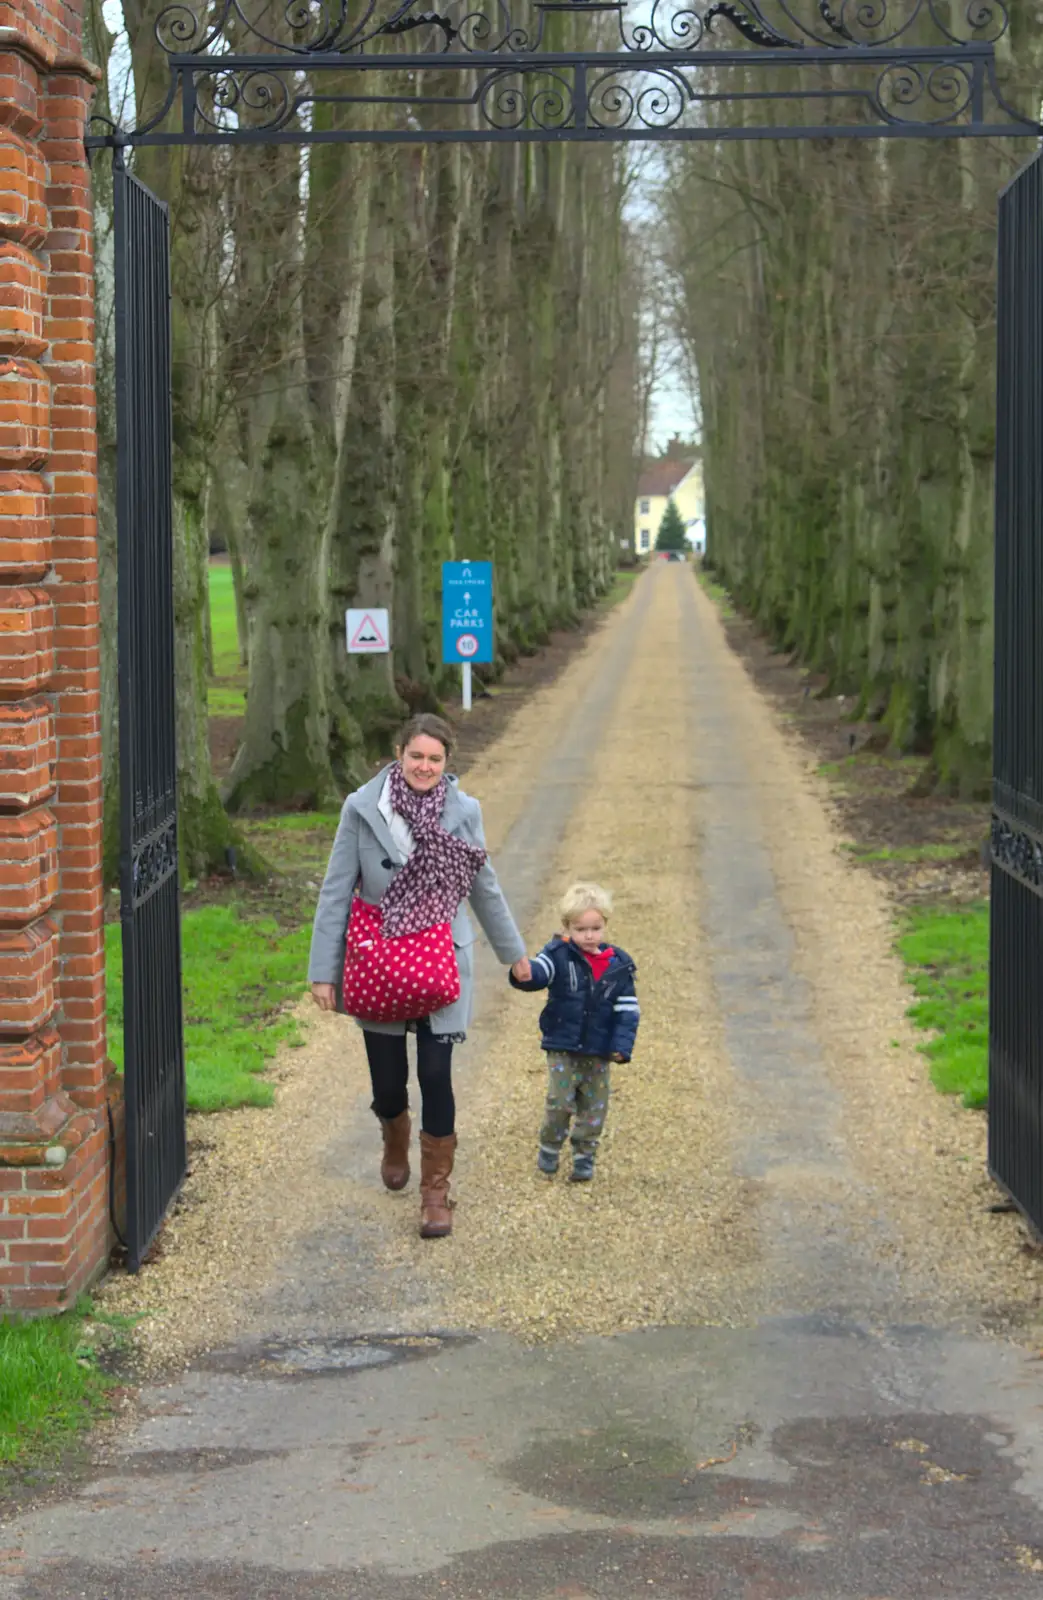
(368, 634)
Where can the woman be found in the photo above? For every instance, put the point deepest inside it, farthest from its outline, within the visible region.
(411, 842)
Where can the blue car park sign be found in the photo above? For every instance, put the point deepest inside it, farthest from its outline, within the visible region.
(467, 612)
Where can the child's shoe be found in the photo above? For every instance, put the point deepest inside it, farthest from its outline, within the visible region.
(582, 1169)
(547, 1161)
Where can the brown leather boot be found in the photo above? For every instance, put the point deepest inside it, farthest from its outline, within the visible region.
(394, 1168)
(436, 1166)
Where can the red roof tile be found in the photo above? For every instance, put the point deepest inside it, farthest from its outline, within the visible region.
(662, 477)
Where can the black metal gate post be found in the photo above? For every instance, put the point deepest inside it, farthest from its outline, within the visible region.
(1016, 966)
(154, 1068)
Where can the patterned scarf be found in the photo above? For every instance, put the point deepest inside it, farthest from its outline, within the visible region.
(438, 875)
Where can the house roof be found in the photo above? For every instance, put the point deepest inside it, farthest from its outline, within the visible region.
(662, 477)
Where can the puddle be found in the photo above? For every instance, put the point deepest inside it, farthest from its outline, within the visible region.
(615, 1470)
(324, 1355)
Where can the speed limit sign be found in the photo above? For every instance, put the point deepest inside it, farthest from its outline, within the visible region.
(466, 645)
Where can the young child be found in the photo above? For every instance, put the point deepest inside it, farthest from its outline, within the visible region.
(590, 1020)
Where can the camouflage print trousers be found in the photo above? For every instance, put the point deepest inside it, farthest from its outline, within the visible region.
(577, 1093)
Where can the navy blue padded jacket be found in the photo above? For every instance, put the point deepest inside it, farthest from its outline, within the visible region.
(583, 1017)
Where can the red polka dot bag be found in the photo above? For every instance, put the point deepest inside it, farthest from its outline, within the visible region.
(397, 979)
(400, 964)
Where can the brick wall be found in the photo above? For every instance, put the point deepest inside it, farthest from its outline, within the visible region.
(55, 1080)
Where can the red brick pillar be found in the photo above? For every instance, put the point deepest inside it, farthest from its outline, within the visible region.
(54, 1076)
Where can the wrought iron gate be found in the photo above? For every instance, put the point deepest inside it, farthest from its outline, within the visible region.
(789, 69)
(1016, 980)
(154, 1069)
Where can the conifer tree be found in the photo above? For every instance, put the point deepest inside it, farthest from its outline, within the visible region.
(672, 534)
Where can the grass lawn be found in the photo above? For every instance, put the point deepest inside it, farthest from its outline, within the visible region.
(238, 972)
(947, 952)
(296, 844)
(226, 696)
(51, 1383)
(225, 700)
(222, 621)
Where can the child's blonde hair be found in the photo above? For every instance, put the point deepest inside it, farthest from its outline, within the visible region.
(583, 897)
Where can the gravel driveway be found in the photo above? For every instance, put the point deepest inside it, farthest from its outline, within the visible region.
(779, 1348)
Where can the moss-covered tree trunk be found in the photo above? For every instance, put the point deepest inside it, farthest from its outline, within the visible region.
(363, 513)
(436, 202)
(283, 758)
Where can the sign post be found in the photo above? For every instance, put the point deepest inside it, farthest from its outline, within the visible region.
(467, 617)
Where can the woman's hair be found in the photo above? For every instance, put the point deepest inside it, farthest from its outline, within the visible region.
(427, 726)
(583, 897)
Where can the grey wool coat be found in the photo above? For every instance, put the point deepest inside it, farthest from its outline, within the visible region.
(365, 856)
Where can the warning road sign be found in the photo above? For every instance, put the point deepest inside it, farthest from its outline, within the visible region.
(368, 632)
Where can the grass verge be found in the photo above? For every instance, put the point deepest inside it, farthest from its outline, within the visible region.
(52, 1385)
(911, 853)
(622, 583)
(862, 762)
(239, 973)
(947, 953)
(717, 592)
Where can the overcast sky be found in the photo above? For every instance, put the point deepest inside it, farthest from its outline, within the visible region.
(672, 412)
(672, 409)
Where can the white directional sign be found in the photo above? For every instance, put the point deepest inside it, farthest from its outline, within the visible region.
(368, 632)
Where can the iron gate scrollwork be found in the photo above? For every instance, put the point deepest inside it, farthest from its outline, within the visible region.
(531, 71)
(154, 1069)
(1016, 976)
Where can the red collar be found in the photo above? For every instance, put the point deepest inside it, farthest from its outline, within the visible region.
(600, 961)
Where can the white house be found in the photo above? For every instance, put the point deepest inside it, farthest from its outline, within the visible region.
(673, 477)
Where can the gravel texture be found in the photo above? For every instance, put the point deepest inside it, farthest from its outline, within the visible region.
(665, 1232)
(702, 1210)
(918, 1155)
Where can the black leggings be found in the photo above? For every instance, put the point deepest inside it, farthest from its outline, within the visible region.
(389, 1073)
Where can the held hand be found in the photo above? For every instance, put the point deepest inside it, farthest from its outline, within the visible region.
(325, 996)
(522, 970)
